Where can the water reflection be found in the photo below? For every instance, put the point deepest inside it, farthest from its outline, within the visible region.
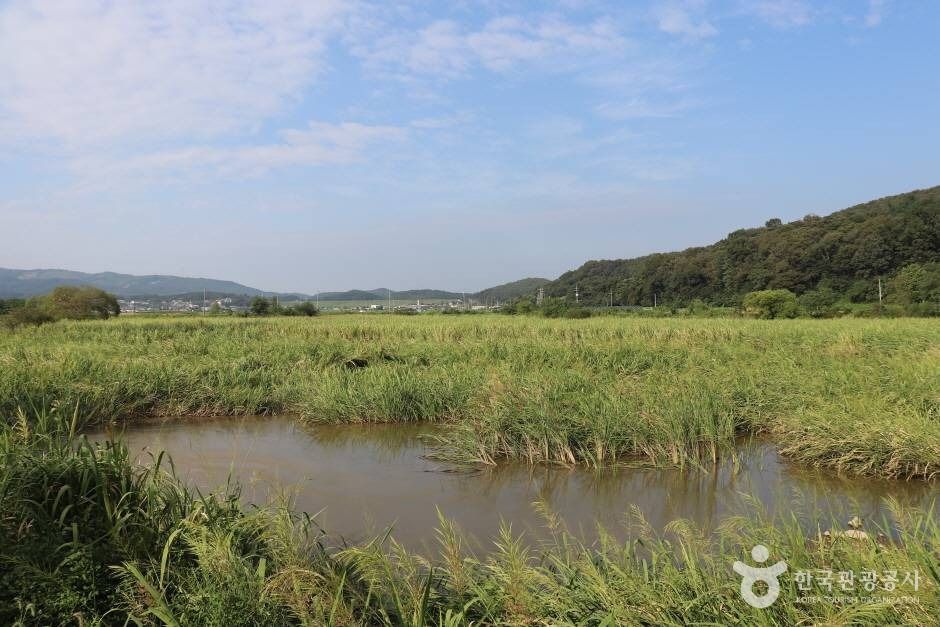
(365, 478)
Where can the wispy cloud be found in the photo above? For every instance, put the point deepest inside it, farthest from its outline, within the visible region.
(446, 49)
(317, 144)
(88, 72)
(685, 19)
(875, 15)
(638, 108)
(780, 13)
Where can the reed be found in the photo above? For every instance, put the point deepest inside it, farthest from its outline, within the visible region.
(86, 537)
(858, 396)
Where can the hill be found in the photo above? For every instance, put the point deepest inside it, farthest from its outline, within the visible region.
(382, 294)
(24, 283)
(508, 291)
(845, 252)
(350, 295)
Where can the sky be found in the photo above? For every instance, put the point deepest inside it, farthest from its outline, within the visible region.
(331, 145)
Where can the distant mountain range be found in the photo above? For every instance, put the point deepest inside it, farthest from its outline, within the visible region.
(844, 253)
(25, 283)
(382, 293)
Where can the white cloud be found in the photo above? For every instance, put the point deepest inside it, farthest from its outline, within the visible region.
(445, 49)
(684, 19)
(317, 144)
(780, 13)
(91, 71)
(875, 13)
(637, 108)
(459, 118)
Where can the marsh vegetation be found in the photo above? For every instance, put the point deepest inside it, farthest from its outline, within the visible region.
(88, 535)
(859, 396)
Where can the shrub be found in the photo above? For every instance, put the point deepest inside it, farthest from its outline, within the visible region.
(81, 303)
(68, 302)
(306, 309)
(771, 304)
(577, 312)
(33, 312)
(260, 306)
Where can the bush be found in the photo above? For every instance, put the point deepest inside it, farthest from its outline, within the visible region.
(818, 303)
(33, 312)
(577, 312)
(305, 309)
(81, 303)
(10, 304)
(65, 302)
(771, 304)
(260, 306)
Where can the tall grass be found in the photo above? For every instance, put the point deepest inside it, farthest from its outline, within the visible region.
(859, 396)
(88, 538)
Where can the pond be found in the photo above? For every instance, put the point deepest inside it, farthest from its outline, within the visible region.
(362, 479)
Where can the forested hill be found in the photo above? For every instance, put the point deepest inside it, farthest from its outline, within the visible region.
(845, 252)
(508, 291)
(24, 283)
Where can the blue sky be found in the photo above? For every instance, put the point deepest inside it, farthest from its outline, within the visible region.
(331, 145)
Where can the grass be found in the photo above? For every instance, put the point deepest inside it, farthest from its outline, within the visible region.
(88, 538)
(856, 396)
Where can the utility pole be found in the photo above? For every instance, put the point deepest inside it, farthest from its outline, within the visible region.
(540, 296)
(654, 300)
(205, 305)
(879, 292)
(611, 299)
(577, 294)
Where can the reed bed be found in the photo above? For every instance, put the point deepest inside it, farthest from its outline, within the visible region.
(88, 538)
(857, 396)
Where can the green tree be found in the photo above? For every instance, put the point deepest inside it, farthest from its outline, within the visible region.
(910, 285)
(818, 303)
(260, 306)
(771, 304)
(306, 308)
(32, 312)
(10, 304)
(81, 303)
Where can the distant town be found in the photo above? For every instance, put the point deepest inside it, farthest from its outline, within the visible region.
(239, 304)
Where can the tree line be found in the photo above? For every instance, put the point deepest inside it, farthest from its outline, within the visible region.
(824, 261)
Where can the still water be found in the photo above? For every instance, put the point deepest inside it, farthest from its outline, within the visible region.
(362, 479)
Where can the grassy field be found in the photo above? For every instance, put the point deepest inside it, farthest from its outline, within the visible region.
(87, 537)
(856, 395)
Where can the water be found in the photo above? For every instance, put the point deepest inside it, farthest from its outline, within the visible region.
(363, 479)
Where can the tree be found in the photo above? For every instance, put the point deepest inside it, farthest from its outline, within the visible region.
(910, 284)
(306, 308)
(81, 303)
(260, 306)
(819, 301)
(771, 304)
(32, 312)
(10, 304)
(847, 251)
(68, 302)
